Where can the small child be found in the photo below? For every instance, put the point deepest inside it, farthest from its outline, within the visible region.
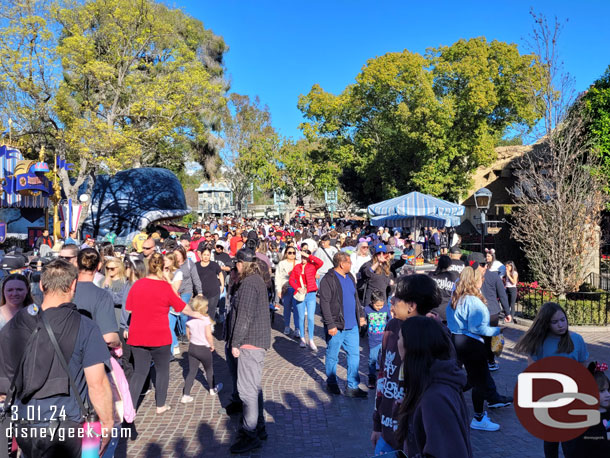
(596, 440)
(377, 315)
(199, 333)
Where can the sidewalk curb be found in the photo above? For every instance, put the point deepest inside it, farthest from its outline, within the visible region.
(525, 324)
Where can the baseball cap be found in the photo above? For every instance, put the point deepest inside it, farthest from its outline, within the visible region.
(197, 231)
(380, 248)
(455, 250)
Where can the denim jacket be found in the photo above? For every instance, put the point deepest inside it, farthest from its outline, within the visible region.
(470, 318)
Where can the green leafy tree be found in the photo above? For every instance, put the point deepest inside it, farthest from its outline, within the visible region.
(303, 169)
(413, 122)
(112, 84)
(596, 105)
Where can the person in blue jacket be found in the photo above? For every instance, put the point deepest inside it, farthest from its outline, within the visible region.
(468, 321)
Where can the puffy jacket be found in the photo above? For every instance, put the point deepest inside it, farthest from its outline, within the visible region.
(308, 274)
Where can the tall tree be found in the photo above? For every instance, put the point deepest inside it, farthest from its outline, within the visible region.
(596, 104)
(559, 190)
(413, 122)
(119, 83)
(251, 146)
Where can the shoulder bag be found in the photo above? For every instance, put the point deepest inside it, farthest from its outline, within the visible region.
(299, 295)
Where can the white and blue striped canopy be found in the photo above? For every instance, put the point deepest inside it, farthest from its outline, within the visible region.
(416, 221)
(416, 204)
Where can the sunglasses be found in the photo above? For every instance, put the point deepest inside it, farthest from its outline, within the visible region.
(147, 247)
(112, 269)
(66, 258)
(291, 252)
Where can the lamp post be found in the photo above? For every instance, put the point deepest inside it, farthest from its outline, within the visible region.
(482, 200)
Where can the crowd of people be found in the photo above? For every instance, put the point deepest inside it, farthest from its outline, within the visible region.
(119, 314)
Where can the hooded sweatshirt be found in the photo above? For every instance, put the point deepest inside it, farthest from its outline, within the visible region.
(442, 403)
(390, 391)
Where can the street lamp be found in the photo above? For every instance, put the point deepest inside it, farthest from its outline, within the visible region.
(482, 200)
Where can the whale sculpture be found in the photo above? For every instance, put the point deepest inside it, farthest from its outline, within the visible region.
(132, 199)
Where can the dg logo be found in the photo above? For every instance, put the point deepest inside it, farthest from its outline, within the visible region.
(557, 399)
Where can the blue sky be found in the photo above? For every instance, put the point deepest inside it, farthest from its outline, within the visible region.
(279, 49)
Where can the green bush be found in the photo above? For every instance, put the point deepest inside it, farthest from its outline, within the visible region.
(581, 308)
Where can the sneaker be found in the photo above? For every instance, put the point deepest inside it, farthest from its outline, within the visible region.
(372, 382)
(493, 366)
(176, 351)
(312, 346)
(287, 331)
(303, 344)
(356, 393)
(333, 388)
(245, 442)
(485, 424)
(186, 399)
(500, 401)
(296, 334)
(214, 391)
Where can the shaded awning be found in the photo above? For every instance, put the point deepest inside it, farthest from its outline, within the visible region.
(174, 228)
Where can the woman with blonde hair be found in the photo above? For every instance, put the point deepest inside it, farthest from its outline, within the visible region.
(116, 283)
(468, 320)
(174, 276)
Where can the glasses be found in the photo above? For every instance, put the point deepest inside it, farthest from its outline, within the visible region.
(147, 247)
(291, 252)
(66, 258)
(112, 269)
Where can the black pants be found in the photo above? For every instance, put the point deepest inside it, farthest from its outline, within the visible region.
(473, 355)
(33, 446)
(127, 358)
(512, 299)
(493, 321)
(569, 448)
(142, 357)
(199, 354)
(212, 305)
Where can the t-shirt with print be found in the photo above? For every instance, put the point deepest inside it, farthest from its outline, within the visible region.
(550, 344)
(97, 304)
(376, 321)
(89, 350)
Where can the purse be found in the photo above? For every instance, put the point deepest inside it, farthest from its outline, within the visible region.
(299, 296)
(497, 344)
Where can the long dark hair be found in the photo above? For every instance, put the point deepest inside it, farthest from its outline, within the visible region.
(424, 342)
(532, 340)
(28, 297)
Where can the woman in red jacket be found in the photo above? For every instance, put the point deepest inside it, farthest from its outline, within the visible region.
(149, 300)
(303, 280)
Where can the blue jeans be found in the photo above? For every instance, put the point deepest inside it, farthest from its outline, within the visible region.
(373, 359)
(382, 447)
(290, 308)
(186, 297)
(349, 339)
(308, 304)
(173, 319)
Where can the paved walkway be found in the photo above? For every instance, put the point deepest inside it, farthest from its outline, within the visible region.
(302, 419)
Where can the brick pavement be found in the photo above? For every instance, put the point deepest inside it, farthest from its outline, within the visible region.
(302, 419)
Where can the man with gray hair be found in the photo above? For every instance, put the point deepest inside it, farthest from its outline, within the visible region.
(342, 315)
(42, 385)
